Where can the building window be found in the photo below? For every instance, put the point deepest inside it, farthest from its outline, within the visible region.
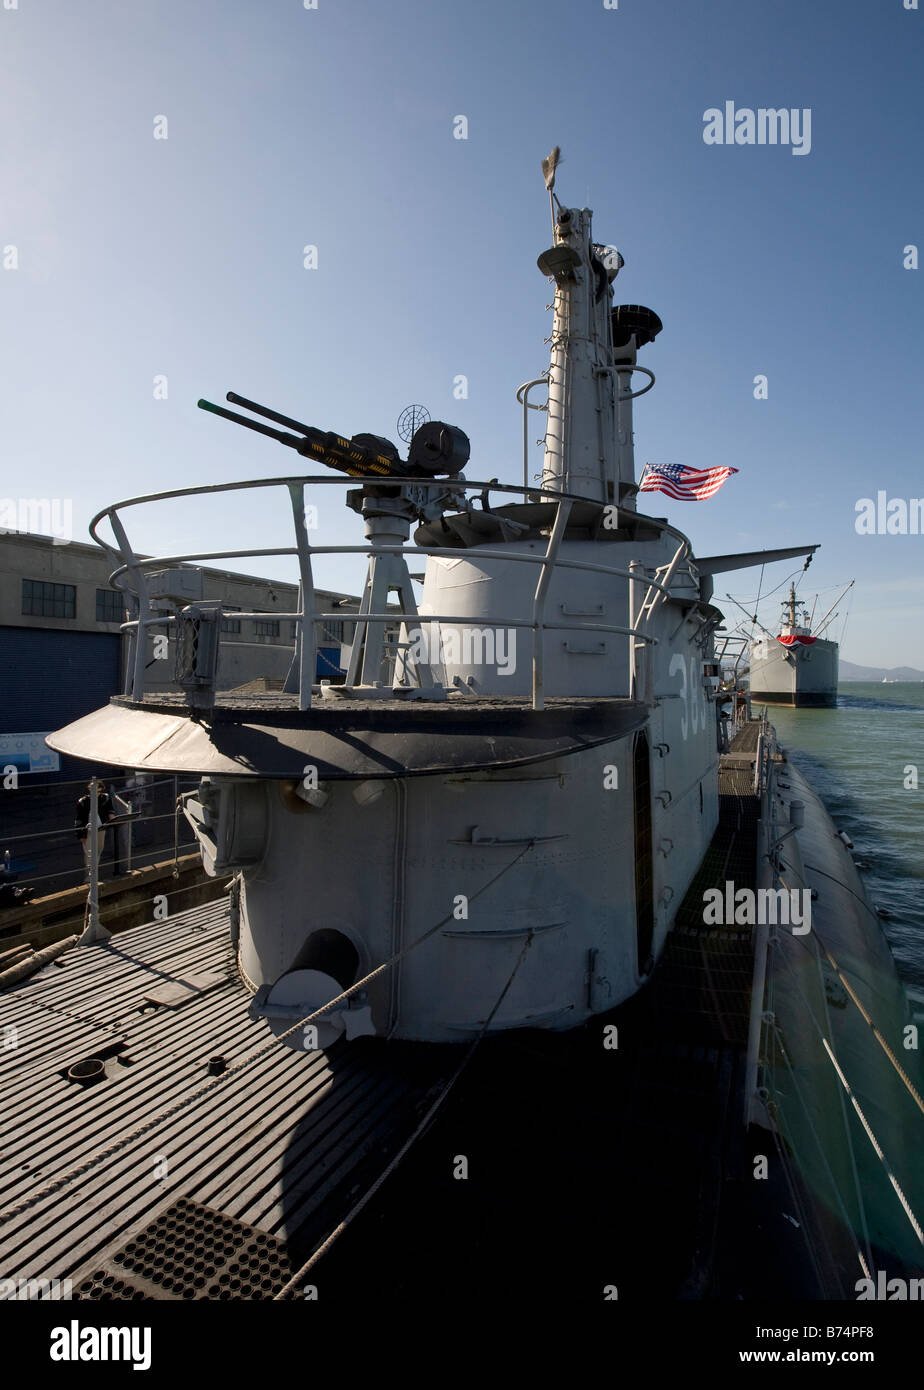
(110, 606)
(330, 634)
(230, 624)
(41, 600)
(266, 627)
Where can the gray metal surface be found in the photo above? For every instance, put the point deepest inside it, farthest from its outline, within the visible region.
(192, 1252)
(267, 1146)
(267, 736)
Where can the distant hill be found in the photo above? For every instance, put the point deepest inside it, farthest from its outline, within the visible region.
(850, 672)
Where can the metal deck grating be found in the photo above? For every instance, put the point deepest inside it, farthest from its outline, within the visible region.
(704, 977)
(192, 1252)
(745, 740)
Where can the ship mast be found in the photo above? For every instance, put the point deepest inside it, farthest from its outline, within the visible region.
(589, 443)
(581, 427)
(823, 625)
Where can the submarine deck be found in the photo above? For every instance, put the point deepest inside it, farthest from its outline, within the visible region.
(90, 1167)
(162, 1181)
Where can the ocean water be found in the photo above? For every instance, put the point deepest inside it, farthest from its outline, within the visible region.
(855, 757)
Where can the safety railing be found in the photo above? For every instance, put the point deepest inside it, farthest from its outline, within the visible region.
(764, 756)
(523, 397)
(40, 852)
(131, 572)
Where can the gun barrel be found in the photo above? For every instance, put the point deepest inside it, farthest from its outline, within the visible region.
(290, 439)
(264, 410)
(329, 448)
(346, 455)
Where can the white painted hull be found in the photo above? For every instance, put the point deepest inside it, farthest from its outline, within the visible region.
(382, 874)
(798, 675)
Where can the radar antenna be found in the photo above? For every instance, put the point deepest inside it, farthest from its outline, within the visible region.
(410, 421)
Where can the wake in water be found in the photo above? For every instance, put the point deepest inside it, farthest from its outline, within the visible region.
(845, 701)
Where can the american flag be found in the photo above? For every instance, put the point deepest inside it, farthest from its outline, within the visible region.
(687, 484)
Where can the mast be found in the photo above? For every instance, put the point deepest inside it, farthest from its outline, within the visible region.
(822, 624)
(581, 428)
(589, 442)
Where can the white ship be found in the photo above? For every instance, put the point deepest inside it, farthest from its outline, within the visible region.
(798, 666)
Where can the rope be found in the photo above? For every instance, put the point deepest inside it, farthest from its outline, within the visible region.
(846, 618)
(771, 592)
(420, 1130)
(201, 1091)
(760, 585)
(399, 955)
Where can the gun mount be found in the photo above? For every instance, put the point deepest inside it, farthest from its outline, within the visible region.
(435, 449)
(388, 510)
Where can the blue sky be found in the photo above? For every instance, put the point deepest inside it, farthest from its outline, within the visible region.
(334, 127)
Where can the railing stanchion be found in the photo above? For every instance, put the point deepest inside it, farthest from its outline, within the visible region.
(94, 930)
(562, 514)
(306, 634)
(636, 577)
(144, 605)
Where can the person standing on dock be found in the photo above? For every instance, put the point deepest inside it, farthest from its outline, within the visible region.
(104, 814)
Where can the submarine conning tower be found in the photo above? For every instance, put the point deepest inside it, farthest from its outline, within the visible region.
(589, 441)
(487, 818)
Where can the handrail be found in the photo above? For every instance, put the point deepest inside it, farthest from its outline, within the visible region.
(631, 367)
(135, 569)
(335, 479)
(542, 588)
(408, 619)
(444, 550)
(523, 397)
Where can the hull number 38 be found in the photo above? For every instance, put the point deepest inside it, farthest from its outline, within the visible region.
(692, 694)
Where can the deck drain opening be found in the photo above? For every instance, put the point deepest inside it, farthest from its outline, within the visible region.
(105, 1061)
(86, 1072)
